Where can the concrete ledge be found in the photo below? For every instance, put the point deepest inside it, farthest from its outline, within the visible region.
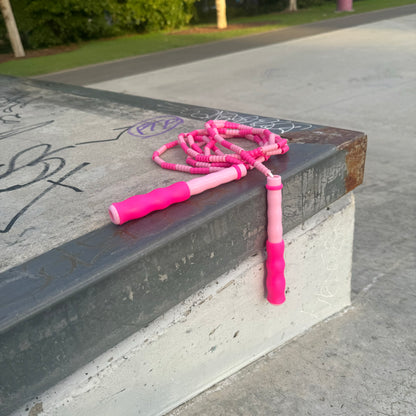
(73, 285)
(218, 330)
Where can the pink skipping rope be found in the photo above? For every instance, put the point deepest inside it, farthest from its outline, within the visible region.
(204, 157)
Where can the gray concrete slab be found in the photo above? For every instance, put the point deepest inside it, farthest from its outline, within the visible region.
(64, 159)
(66, 153)
(361, 363)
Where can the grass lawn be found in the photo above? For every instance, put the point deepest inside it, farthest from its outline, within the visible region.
(92, 52)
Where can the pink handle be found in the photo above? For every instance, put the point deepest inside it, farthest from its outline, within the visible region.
(274, 209)
(140, 205)
(215, 179)
(275, 265)
(275, 245)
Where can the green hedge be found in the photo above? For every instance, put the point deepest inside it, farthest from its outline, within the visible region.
(145, 15)
(44, 23)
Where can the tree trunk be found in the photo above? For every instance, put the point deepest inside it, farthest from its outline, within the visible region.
(8, 16)
(293, 7)
(221, 14)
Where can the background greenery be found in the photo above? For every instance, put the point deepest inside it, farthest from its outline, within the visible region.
(46, 23)
(133, 44)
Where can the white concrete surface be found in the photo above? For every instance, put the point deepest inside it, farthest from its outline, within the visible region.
(316, 79)
(218, 330)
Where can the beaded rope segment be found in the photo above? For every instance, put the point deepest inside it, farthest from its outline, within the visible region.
(204, 155)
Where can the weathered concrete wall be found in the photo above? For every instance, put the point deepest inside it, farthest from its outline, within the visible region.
(218, 330)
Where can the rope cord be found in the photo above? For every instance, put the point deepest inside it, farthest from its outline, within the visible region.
(204, 155)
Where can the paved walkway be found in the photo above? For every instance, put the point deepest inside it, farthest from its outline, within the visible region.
(145, 63)
(360, 77)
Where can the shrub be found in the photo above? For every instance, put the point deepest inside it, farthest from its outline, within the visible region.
(44, 23)
(145, 15)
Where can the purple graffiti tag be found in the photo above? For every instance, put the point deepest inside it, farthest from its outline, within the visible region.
(155, 126)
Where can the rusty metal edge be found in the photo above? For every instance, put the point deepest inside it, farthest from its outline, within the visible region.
(353, 143)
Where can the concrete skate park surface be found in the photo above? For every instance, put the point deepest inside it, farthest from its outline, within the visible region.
(362, 79)
(67, 154)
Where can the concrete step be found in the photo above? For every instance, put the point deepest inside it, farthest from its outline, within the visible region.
(218, 330)
(74, 286)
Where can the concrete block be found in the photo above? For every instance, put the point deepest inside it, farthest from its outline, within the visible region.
(73, 285)
(218, 330)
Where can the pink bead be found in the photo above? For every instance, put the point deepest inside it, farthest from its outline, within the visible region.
(196, 148)
(199, 171)
(171, 144)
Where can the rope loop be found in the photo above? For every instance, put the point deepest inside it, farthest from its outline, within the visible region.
(204, 155)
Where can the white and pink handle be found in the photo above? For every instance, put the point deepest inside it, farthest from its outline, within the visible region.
(275, 246)
(139, 206)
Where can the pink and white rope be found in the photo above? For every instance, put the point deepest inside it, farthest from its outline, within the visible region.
(204, 154)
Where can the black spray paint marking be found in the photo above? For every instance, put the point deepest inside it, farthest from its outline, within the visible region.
(9, 133)
(48, 163)
(30, 158)
(40, 160)
(9, 107)
(10, 115)
(123, 130)
(43, 193)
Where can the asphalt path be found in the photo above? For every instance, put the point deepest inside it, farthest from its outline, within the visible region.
(144, 63)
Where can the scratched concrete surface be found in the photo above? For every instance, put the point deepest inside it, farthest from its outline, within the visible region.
(62, 160)
(362, 78)
(63, 157)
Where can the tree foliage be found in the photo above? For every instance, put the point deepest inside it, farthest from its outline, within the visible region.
(157, 14)
(44, 23)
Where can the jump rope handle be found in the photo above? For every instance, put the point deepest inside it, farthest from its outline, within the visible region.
(275, 246)
(139, 206)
